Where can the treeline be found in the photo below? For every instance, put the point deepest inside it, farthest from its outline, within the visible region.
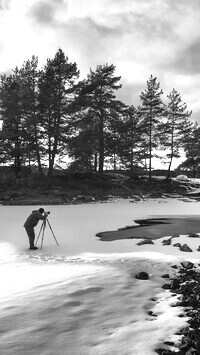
(48, 114)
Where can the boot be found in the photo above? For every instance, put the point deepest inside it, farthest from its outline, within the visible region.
(33, 248)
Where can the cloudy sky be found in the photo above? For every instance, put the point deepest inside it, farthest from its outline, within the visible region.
(140, 37)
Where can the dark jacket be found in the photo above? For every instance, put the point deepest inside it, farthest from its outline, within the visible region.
(33, 219)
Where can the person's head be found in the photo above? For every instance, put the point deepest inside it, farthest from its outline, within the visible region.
(41, 210)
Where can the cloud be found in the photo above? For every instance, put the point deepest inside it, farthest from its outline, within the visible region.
(187, 60)
(196, 116)
(44, 12)
(140, 37)
(130, 92)
(116, 37)
(183, 5)
(4, 4)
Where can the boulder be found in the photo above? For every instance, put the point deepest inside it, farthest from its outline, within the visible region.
(187, 264)
(193, 235)
(150, 313)
(166, 276)
(177, 245)
(166, 286)
(146, 241)
(174, 266)
(182, 177)
(166, 241)
(135, 198)
(175, 235)
(175, 284)
(185, 248)
(142, 275)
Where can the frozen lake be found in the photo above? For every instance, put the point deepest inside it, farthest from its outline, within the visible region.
(75, 226)
(81, 297)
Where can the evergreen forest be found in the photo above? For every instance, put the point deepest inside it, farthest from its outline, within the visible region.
(49, 114)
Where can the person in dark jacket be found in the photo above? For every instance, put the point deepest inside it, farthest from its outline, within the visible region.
(31, 222)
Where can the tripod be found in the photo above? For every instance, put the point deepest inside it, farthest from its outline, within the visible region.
(42, 229)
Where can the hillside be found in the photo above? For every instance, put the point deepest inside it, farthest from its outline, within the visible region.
(88, 187)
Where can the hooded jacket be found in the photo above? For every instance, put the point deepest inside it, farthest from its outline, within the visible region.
(33, 219)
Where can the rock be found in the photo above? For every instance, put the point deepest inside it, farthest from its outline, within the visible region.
(191, 351)
(142, 275)
(150, 313)
(163, 352)
(193, 235)
(175, 235)
(177, 245)
(85, 198)
(182, 178)
(155, 195)
(166, 276)
(185, 248)
(174, 266)
(166, 286)
(146, 241)
(187, 264)
(166, 241)
(197, 290)
(169, 343)
(175, 284)
(135, 198)
(198, 249)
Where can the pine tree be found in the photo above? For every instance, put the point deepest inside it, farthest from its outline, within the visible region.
(32, 132)
(11, 115)
(151, 109)
(191, 143)
(97, 93)
(55, 95)
(177, 126)
(82, 144)
(131, 142)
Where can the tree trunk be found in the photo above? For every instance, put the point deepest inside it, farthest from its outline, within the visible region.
(194, 171)
(101, 145)
(150, 144)
(114, 163)
(17, 161)
(131, 160)
(35, 129)
(169, 169)
(57, 122)
(95, 161)
(172, 151)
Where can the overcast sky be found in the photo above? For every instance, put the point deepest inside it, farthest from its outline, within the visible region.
(140, 37)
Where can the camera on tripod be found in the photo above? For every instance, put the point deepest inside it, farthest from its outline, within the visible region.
(42, 229)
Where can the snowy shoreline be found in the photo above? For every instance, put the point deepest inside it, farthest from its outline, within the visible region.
(106, 288)
(83, 294)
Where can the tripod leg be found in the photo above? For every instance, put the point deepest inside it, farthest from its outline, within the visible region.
(52, 231)
(39, 233)
(44, 225)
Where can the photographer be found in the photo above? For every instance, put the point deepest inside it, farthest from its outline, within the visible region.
(31, 222)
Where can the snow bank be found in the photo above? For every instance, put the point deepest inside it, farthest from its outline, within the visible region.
(82, 296)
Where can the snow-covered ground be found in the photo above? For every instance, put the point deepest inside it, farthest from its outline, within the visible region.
(81, 297)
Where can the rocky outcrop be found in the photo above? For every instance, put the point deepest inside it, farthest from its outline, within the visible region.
(187, 285)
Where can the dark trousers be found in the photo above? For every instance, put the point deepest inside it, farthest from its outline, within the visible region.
(31, 235)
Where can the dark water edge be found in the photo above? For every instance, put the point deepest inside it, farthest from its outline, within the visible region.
(154, 228)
